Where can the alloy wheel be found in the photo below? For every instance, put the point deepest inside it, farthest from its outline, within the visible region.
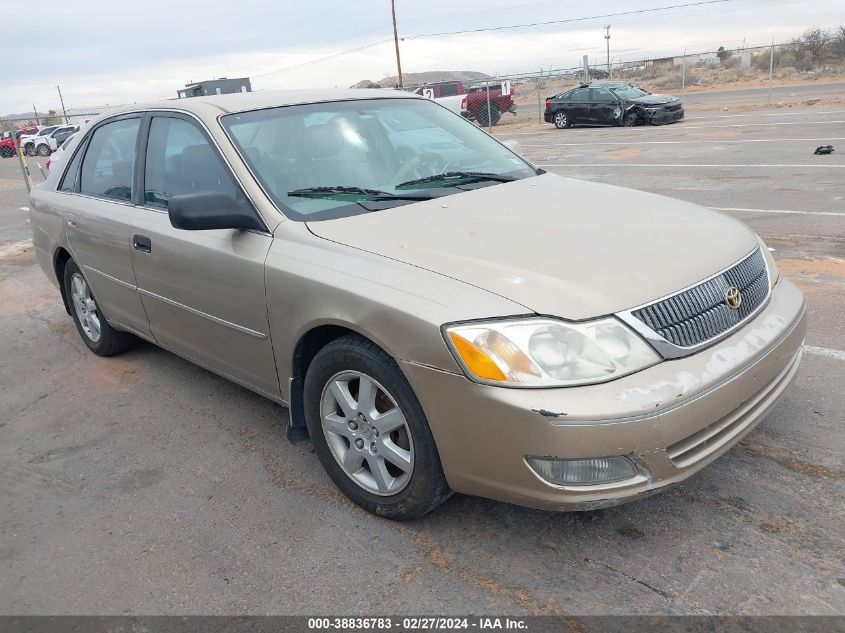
(367, 433)
(560, 119)
(85, 307)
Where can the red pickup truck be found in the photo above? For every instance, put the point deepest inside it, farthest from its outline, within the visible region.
(473, 103)
(7, 141)
(7, 145)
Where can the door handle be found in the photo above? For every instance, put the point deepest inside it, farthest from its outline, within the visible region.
(71, 220)
(142, 243)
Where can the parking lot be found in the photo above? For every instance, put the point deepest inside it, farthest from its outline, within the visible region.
(143, 484)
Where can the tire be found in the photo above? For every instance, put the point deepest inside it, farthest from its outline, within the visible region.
(85, 312)
(495, 115)
(630, 119)
(29, 149)
(561, 120)
(5, 152)
(43, 150)
(344, 434)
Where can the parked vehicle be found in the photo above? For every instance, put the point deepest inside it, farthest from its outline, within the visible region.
(46, 144)
(58, 157)
(472, 103)
(30, 141)
(7, 146)
(611, 103)
(500, 331)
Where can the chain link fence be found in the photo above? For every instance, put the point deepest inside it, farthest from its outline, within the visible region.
(24, 157)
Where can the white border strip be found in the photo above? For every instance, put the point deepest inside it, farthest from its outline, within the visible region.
(784, 211)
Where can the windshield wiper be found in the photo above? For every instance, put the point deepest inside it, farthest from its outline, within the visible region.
(354, 193)
(451, 178)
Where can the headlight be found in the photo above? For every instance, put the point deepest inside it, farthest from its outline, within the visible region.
(538, 352)
(774, 273)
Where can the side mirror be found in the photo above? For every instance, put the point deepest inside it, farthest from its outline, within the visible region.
(205, 210)
(513, 146)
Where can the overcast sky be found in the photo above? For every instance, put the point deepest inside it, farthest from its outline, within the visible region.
(107, 52)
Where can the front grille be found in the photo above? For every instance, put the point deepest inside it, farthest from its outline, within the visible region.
(672, 108)
(701, 313)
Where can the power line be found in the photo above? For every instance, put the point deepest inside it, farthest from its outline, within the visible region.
(569, 20)
(321, 59)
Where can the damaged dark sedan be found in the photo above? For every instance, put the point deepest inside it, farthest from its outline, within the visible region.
(611, 103)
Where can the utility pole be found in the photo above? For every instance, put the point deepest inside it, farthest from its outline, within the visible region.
(607, 37)
(396, 42)
(35, 112)
(63, 104)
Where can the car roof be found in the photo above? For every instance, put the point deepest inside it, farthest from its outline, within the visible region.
(211, 106)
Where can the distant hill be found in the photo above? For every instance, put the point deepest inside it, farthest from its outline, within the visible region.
(416, 79)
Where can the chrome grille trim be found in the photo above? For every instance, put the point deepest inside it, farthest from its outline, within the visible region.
(697, 316)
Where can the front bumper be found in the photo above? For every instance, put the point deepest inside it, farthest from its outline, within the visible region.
(671, 419)
(661, 116)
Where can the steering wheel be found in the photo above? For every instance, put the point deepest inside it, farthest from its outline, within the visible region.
(420, 165)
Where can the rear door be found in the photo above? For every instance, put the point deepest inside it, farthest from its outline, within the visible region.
(99, 184)
(604, 107)
(577, 105)
(203, 290)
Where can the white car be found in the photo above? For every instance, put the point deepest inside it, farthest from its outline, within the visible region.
(28, 141)
(46, 145)
(60, 154)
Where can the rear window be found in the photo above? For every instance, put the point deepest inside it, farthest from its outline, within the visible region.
(110, 160)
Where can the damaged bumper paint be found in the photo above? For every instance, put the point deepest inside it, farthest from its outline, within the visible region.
(671, 419)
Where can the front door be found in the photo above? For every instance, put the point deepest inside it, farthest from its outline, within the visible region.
(604, 107)
(203, 290)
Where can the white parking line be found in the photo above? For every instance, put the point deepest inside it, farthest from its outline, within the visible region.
(776, 211)
(825, 351)
(730, 125)
(682, 126)
(689, 142)
(24, 208)
(736, 116)
(696, 165)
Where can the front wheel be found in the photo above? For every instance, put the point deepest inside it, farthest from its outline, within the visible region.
(560, 119)
(370, 432)
(29, 149)
(43, 150)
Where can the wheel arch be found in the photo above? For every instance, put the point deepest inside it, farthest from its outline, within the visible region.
(307, 347)
(60, 259)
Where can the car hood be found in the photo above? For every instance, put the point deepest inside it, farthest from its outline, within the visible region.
(556, 246)
(654, 99)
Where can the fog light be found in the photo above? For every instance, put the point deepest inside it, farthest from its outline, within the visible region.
(583, 472)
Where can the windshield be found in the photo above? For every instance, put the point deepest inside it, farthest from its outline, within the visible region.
(629, 92)
(46, 131)
(347, 157)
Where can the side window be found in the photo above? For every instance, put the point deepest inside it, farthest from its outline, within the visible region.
(581, 95)
(181, 160)
(110, 160)
(72, 174)
(600, 95)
